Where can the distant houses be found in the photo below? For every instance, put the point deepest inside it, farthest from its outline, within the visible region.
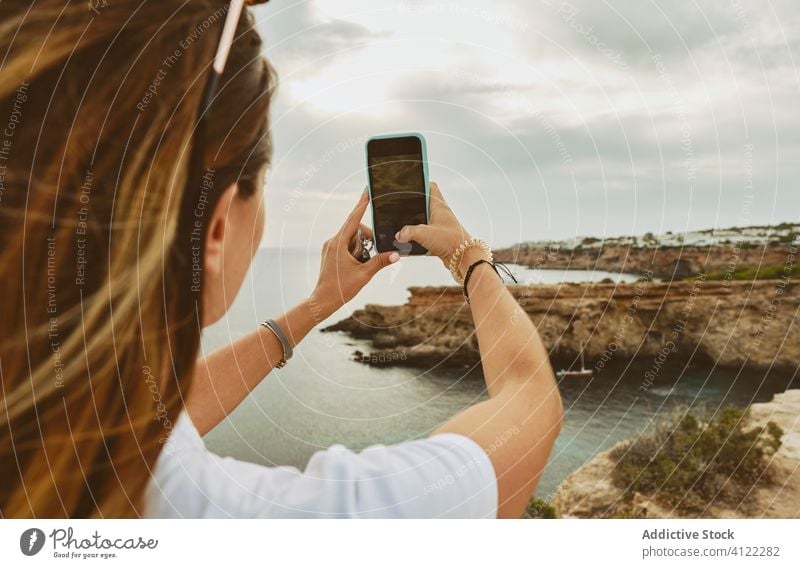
(749, 236)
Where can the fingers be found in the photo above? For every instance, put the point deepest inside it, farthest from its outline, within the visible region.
(366, 231)
(379, 261)
(435, 192)
(354, 219)
(355, 246)
(436, 197)
(417, 233)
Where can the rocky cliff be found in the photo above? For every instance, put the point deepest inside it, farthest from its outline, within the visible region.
(735, 324)
(663, 262)
(589, 493)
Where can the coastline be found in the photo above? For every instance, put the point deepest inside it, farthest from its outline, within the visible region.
(665, 261)
(730, 324)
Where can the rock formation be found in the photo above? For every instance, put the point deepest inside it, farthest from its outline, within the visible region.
(733, 323)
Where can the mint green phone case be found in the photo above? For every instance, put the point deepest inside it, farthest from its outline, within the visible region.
(424, 150)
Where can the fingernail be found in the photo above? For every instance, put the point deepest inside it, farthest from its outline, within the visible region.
(397, 235)
(394, 257)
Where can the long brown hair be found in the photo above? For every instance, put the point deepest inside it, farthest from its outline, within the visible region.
(99, 302)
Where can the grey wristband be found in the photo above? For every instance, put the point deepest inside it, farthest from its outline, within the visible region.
(273, 326)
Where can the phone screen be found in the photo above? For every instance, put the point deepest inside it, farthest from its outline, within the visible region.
(397, 186)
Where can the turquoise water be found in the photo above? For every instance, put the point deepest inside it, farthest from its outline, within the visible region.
(322, 397)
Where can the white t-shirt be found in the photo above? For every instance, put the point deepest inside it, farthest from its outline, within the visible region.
(447, 475)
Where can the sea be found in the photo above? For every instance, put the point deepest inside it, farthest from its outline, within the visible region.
(323, 397)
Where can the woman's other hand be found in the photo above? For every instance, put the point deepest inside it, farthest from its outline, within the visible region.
(341, 276)
(444, 232)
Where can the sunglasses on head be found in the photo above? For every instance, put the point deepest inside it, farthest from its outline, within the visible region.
(227, 36)
(235, 8)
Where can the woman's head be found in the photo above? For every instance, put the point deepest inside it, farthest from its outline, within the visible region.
(111, 261)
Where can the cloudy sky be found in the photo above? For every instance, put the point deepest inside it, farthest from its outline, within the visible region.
(544, 119)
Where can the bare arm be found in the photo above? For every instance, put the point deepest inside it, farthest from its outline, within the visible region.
(223, 379)
(519, 423)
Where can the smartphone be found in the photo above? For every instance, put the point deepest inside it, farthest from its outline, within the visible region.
(397, 169)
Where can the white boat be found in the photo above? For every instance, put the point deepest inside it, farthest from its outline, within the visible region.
(584, 373)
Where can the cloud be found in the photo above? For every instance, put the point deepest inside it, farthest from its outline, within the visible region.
(545, 119)
(302, 41)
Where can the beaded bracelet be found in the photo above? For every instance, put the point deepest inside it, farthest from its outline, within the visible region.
(455, 260)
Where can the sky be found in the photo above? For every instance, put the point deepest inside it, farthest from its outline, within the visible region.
(544, 119)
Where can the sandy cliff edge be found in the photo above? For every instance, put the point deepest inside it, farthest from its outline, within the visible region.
(589, 493)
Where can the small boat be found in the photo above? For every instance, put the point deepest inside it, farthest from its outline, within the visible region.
(584, 373)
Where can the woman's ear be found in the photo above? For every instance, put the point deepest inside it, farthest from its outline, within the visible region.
(218, 226)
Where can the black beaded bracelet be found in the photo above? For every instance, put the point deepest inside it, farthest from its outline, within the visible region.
(494, 266)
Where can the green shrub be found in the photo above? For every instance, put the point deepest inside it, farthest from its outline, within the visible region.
(539, 509)
(756, 273)
(688, 463)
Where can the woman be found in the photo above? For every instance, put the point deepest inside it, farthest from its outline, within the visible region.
(116, 251)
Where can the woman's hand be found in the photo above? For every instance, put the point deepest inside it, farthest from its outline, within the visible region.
(442, 235)
(341, 276)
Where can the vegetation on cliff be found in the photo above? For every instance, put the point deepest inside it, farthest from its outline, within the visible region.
(756, 272)
(670, 256)
(539, 509)
(731, 451)
(688, 463)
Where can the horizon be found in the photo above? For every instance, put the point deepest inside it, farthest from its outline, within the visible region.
(265, 245)
(545, 120)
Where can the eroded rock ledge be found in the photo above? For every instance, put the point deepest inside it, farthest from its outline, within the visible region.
(735, 324)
